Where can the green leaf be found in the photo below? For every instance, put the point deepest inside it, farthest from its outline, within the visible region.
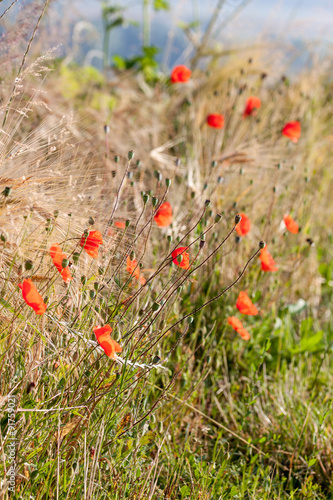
(161, 5)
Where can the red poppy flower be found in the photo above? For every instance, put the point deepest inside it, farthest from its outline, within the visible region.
(252, 104)
(291, 225)
(58, 256)
(244, 226)
(109, 346)
(133, 268)
(185, 263)
(121, 225)
(215, 121)
(292, 130)
(163, 216)
(245, 305)
(91, 243)
(267, 261)
(237, 325)
(32, 297)
(180, 74)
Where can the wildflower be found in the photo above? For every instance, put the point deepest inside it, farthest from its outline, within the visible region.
(244, 226)
(237, 325)
(267, 261)
(291, 225)
(180, 74)
(252, 104)
(163, 216)
(133, 268)
(32, 297)
(292, 130)
(109, 346)
(58, 257)
(121, 225)
(91, 243)
(185, 262)
(245, 305)
(215, 121)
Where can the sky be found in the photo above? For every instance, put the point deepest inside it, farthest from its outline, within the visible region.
(240, 22)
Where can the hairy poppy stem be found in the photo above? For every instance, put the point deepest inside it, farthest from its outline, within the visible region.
(204, 305)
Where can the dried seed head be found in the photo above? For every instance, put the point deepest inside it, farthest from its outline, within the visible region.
(207, 203)
(218, 217)
(262, 245)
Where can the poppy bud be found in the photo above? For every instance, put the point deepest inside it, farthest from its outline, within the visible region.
(129, 175)
(274, 189)
(92, 294)
(190, 320)
(6, 192)
(180, 288)
(138, 163)
(145, 198)
(56, 213)
(101, 271)
(2, 237)
(106, 129)
(83, 280)
(220, 180)
(132, 255)
(150, 192)
(156, 306)
(96, 286)
(130, 154)
(207, 203)
(116, 159)
(213, 164)
(28, 265)
(218, 217)
(262, 245)
(127, 223)
(193, 194)
(202, 244)
(241, 171)
(237, 239)
(76, 256)
(169, 238)
(202, 236)
(205, 186)
(154, 201)
(113, 173)
(210, 213)
(238, 218)
(168, 182)
(234, 205)
(64, 263)
(132, 183)
(156, 360)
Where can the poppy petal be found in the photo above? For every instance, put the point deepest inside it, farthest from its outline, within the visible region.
(245, 305)
(180, 74)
